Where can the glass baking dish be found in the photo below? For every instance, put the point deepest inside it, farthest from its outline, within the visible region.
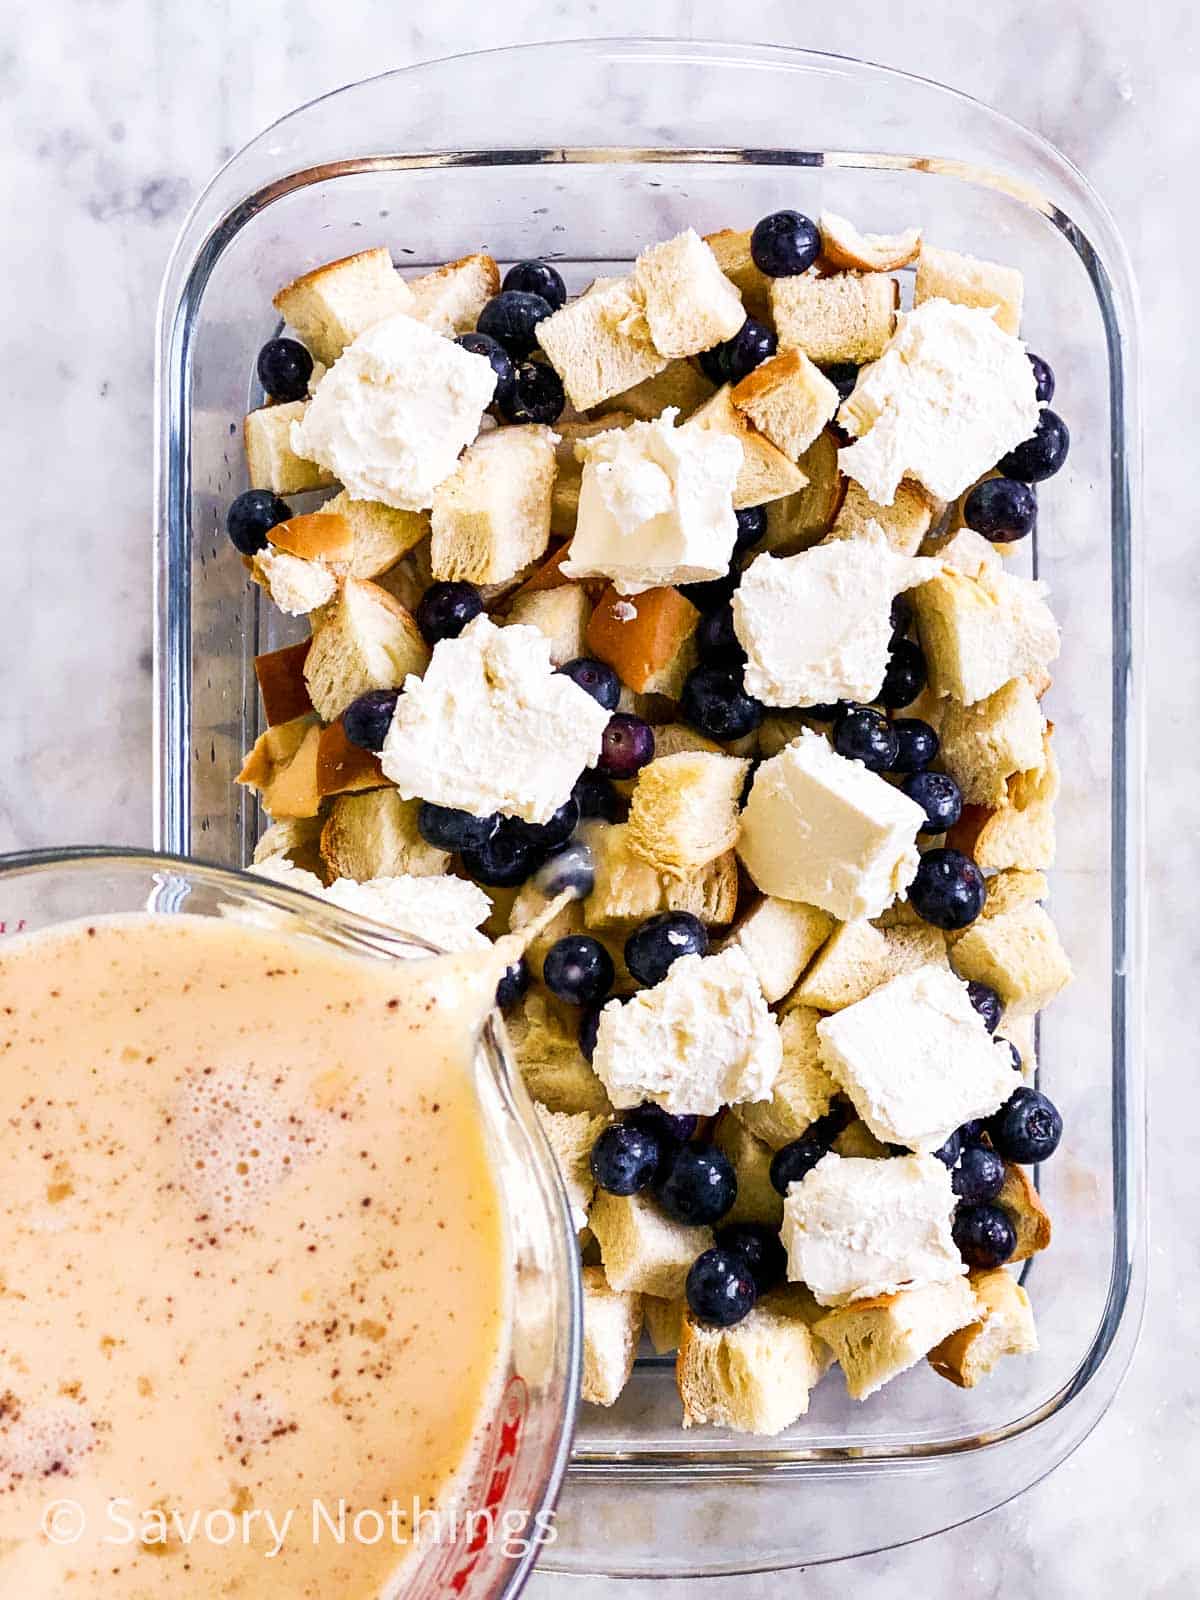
(585, 152)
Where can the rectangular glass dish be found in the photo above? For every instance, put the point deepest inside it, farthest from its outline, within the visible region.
(606, 146)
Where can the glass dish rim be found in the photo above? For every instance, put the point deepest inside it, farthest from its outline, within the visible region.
(197, 248)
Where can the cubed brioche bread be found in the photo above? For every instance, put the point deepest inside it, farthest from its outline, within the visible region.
(680, 384)
(330, 306)
(800, 520)
(562, 614)
(648, 639)
(1002, 1326)
(673, 738)
(281, 684)
(1017, 953)
(282, 768)
(766, 473)
(803, 1090)
(1021, 832)
(947, 275)
(979, 632)
(780, 937)
(612, 1326)
(1019, 1199)
(876, 1340)
(860, 957)
(684, 810)
(755, 1377)
(857, 1142)
(450, 298)
(644, 1250)
(757, 1198)
(545, 1044)
(1013, 888)
(731, 247)
(903, 524)
(379, 535)
(375, 835)
(788, 399)
(664, 1322)
(626, 889)
(270, 460)
(315, 536)
(491, 516)
(849, 316)
(690, 305)
(296, 840)
(571, 1135)
(843, 246)
(600, 344)
(367, 641)
(984, 745)
(343, 767)
(296, 586)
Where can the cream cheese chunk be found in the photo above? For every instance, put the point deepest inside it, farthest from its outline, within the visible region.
(824, 830)
(701, 1039)
(443, 911)
(492, 727)
(855, 1227)
(916, 1059)
(391, 416)
(816, 626)
(655, 506)
(949, 396)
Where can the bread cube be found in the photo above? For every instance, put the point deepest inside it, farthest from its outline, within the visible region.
(281, 684)
(967, 281)
(491, 517)
(571, 1135)
(1003, 1326)
(859, 957)
(330, 306)
(450, 298)
(731, 247)
(1020, 833)
(788, 399)
(296, 586)
(375, 835)
(674, 738)
(380, 535)
(648, 639)
(903, 524)
(663, 1321)
(612, 1326)
(680, 384)
(600, 344)
(803, 1090)
(367, 641)
(842, 245)
(800, 520)
(766, 473)
(757, 1198)
(644, 1251)
(545, 1046)
(296, 840)
(270, 460)
(562, 615)
(690, 305)
(1019, 954)
(978, 633)
(1019, 1199)
(627, 889)
(985, 744)
(849, 316)
(684, 810)
(755, 1377)
(345, 768)
(282, 769)
(857, 1142)
(1012, 889)
(876, 1340)
(780, 937)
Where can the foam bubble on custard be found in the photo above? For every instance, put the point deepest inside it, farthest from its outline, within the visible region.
(41, 1441)
(240, 1141)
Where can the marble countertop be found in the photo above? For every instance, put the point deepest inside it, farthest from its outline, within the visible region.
(112, 117)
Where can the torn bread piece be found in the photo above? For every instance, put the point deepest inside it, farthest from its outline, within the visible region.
(367, 641)
(626, 889)
(680, 384)
(562, 614)
(343, 767)
(544, 1036)
(848, 317)
(1020, 833)
(684, 810)
(296, 586)
(788, 399)
(1017, 953)
(802, 1092)
(904, 523)
(271, 461)
(564, 497)
(296, 840)
(979, 633)
(612, 1326)
(450, 298)
(648, 639)
(643, 1250)
(1022, 1203)
(800, 520)
(281, 684)
(491, 516)
(766, 473)
(282, 768)
(690, 305)
(877, 1339)
(757, 1198)
(571, 1136)
(600, 344)
(985, 744)
(1002, 1326)
(331, 305)
(842, 245)
(857, 1140)
(731, 247)
(664, 1322)
(375, 835)
(780, 937)
(860, 958)
(380, 535)
(755, 1377)
(967, 281)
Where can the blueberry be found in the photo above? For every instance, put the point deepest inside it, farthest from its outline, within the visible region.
(1027, 1129)
(750, 346)
(482, 344)
(861, 734)
(938, 795)
(444, 610)
(822, 712)
(784, 244)
(284, 368)
(949, 1152)
(751, 528)
(716, 641)
(715, 704)
(1043, 376)
(556, 830)
(712, 364)
(627, 745)
(578, 969)
(1014, 1053)
(720, 1288)
(597, 797)
(1042, 454)
(625, 1158)
(589, 1028)
(916, 744)
(252, 516)
(901, 616)
(843, 375)
(905, 676)
(502, 861)
(597, 677)
(987, 1002)
(984, 1235)
(971, 1133)
(513, 984)
(512, 317)
(366, 721)
(1001, 509)
(537, 277)
(538, 394)
(948, 890)
(979, 1175)
(791, 1163)
(652, 948)
(677, 1126)
(712, 593)
(569, 866)
(447, 829)
(698, 1187)
(760, 1247)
